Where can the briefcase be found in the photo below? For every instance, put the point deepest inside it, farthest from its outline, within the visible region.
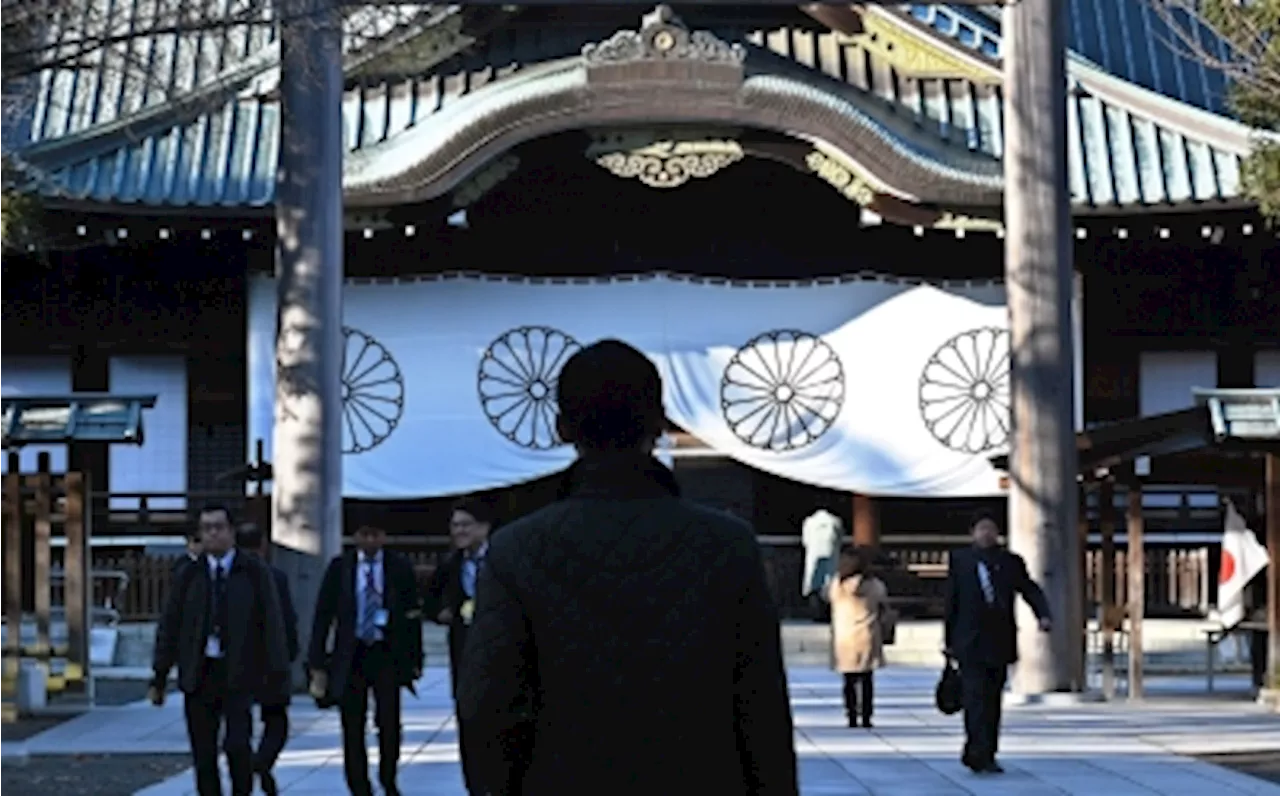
(948, 694)
(888, 626)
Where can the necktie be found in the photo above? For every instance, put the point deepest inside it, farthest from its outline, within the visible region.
(984, 577)
(470, 572)
(372, 605)
(219, 601)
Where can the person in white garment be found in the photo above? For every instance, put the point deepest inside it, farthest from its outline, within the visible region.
(820, 534)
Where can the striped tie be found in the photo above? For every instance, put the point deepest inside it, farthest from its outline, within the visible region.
(984, 577)
(372, 604)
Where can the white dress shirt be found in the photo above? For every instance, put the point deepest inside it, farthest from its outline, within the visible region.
(364, 564)
(213, 644)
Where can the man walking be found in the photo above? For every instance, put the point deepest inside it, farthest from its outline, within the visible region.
(981, 633)
(451, 596)
(369, 599)
(274, 712)
(224, 629)
(624, 640)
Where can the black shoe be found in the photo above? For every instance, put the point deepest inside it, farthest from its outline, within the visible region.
(867, 723)
(991, 768)
(390, 790)
(267, 781)
(853, 721)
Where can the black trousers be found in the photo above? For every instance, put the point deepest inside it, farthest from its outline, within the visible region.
(1258, 656)
(207, 709)
(983, 692)
(859, 694)
(372, 670)
(275, 731)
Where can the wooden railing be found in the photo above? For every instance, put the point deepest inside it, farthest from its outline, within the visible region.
(1178, 579)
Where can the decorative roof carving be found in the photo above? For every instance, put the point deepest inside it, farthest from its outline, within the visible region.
(663, 163)
(663, 37)
(850, 185)
(913, 54)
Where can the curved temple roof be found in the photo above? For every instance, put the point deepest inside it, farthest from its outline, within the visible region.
(1128, 145)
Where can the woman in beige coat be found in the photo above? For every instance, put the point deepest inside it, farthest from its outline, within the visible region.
(858, 603)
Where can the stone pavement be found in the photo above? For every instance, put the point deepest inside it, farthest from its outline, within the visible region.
(1115, 749)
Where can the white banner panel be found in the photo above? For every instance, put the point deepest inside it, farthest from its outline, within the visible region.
(1166, 379)
(159, 465)
(867, 385)
(36, 377)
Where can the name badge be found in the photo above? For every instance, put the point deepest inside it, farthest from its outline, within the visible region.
(467, 611)
(380, 617)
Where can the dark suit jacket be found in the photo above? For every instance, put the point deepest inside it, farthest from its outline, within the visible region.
(975, 631)
(625, 642)
(336, 610)
(255, 639)
(444, 591)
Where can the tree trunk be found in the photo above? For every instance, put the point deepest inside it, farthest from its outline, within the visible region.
(307, 487)
(1039, 281)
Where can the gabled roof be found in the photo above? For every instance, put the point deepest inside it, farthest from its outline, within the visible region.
(1128, 146)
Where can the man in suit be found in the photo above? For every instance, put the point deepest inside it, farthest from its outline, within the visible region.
(369, 599)
(224, 628)
(451, 595)
(624, 637)
(274, 713)
(982, 635)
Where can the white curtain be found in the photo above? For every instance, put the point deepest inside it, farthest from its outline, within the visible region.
(36, 377)
(875, 386)
(159, 464)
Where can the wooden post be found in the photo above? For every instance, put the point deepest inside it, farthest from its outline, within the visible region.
(42, 502)
(1039, 281)
(77, 587)
(1080, 618)
(866, 522)
(1272, 683)
(12, 586)
(1137, 592)
(1107, 526)
(306, 506)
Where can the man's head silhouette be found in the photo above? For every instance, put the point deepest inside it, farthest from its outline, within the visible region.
(610, 399)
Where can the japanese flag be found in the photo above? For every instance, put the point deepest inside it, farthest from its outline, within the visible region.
(1242, 558)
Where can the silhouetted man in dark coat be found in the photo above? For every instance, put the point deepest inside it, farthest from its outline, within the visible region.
(982, 635)
(625, 641)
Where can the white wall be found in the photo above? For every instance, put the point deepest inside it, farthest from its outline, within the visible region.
(1166, 379)
(1266, 369)
(160, 463)
(36, 376)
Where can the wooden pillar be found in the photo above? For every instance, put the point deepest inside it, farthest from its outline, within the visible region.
(41, 487)
(1079, 600)
(866, 522)
(12, 585)
(306, 508)
(77, 588)
(1272, 683)
(1110, 616)
(1137, 592)
(1039, 281)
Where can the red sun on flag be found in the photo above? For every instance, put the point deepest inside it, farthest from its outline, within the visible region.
(1228, 569)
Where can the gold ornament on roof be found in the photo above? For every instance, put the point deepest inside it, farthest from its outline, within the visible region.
(670, 164)
(838, 176)
(915, 54)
